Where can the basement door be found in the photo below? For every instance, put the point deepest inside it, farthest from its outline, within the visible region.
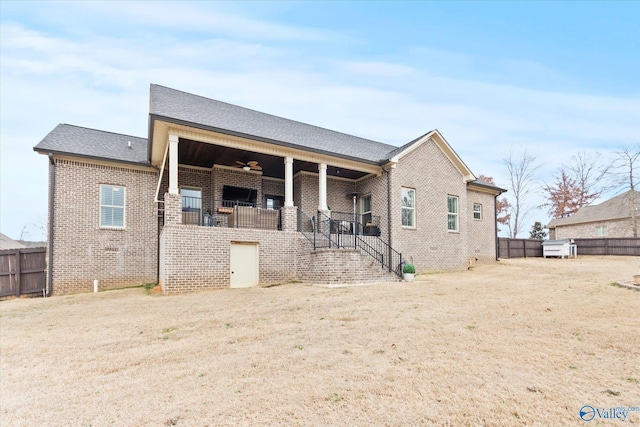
(244, 265)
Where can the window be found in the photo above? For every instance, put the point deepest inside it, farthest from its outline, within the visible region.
(191, 205)
(477, 211)
(601, 231)
(365, 209)
(112, 206)
(452, 213)
(408, 207)
(273, 202)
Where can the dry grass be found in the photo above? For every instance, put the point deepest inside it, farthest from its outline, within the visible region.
(524, 342)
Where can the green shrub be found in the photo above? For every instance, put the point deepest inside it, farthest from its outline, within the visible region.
(409, 269)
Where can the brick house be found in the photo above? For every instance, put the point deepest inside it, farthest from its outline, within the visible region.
(222, 196)
(611, 218)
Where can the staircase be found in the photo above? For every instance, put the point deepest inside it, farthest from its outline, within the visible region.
(336, 256)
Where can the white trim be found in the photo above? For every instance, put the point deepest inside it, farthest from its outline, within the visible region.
(124, 207)
(473, 211)
(335, 178)
(413, 208)
(234, 169)
(113, 164)
(271, 178)
(172, 140)
(288, 181)
(447, 150)
(457, 213)
(322, 187)
(163, 128)
(198, 168)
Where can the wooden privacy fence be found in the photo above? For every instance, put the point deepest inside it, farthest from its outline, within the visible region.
(524, 248)
(22, 271)
(609, 246)
(519, 248)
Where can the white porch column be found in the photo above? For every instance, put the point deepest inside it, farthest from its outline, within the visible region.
(322, 187)
(288, 181)
(173, 164)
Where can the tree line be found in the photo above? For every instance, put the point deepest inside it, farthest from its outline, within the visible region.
(575, 184)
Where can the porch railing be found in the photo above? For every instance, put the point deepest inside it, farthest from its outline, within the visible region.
(367, 224)
(229, 213)
(326, 232)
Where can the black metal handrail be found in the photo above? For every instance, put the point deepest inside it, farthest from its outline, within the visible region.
(339, 233)
(367, 224)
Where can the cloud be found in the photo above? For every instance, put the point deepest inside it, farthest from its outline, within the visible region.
(96, 77)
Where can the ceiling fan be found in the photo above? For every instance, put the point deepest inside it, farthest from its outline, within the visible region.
(251, 165)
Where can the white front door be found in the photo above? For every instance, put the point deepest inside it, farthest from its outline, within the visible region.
(244, 265)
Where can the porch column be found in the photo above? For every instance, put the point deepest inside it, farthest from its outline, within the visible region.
(173, 164)
(288, 181)
(322, 187)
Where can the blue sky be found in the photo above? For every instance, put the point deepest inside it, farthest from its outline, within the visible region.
(555, 78)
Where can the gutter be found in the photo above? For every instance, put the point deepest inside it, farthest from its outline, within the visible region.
(495, 224)
(52, 184)
(83, 156)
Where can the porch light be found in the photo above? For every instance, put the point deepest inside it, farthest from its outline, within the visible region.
(246, 168)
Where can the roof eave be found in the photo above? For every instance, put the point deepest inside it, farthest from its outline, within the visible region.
(84, 156)
(489, 187)
(154, 117)
(445, 147)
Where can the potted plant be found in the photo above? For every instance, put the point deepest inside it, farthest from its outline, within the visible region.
(408, 272)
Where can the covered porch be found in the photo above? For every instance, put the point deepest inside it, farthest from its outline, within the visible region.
(216, 180)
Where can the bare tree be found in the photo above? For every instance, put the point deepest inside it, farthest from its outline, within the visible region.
(521, 171)
(625, 176)
(590, 174)
(577, 184)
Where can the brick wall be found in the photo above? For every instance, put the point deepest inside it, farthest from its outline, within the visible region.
(433, 176)
(198, 258)
(272, 187)
(82, 251)
(376, 186)
(482, 235)
(615, 228)
(235, 178)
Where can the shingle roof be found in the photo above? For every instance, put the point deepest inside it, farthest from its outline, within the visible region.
(227, 118)
(615, 208)
(98, 144)
(7, 242)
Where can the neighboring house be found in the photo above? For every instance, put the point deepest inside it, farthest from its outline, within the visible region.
(612, 218)
(8, 243)
(223, 196)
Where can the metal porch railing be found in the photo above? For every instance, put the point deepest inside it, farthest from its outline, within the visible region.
(326, 232)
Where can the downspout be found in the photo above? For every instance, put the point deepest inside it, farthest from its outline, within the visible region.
(52, 184)
(388, 172)
(495, 224)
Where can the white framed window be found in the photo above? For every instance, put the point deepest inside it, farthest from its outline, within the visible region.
(452, 213)
(601, 231)
(112, 201)
(365, 209)
(477, 211)
(408, 207)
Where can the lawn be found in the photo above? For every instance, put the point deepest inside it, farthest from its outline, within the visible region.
(522, 342)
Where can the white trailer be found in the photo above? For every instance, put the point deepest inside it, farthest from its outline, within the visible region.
(560, 248)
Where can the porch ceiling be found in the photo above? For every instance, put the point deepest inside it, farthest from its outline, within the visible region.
(206, 155)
